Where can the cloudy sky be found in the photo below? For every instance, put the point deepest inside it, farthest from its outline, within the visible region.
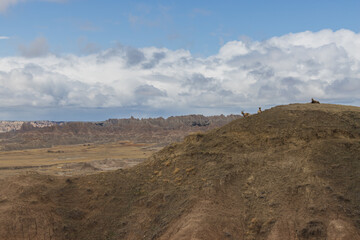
(93, 60)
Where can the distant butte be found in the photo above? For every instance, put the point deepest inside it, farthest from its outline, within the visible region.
(151, 130)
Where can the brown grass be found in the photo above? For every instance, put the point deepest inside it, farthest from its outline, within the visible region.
(50, 160)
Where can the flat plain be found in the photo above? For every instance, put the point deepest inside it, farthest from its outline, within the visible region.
(75, 159)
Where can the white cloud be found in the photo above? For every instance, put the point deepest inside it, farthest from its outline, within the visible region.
(4, 38)
(243, 75)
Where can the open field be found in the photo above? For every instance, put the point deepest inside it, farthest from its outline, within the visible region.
(75, 159)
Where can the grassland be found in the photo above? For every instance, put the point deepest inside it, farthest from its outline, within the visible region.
(75, 159)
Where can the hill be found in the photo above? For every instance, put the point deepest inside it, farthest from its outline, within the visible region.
(291, 172)
(149, 130)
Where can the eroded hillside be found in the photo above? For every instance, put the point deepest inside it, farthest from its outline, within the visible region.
(150, 130)
(291, 172)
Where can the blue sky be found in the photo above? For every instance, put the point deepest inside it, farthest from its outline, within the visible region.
(200, 26)
(92, 60)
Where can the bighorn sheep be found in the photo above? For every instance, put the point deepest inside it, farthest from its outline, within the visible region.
(245, 114)
(259, 111)
(314, 101)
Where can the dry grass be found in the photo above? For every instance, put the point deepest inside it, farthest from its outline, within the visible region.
(50, 160)
(291, 172)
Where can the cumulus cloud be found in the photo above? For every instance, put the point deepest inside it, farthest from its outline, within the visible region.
(154, 60)
(243, 75)
(38, 48)
(133, 56)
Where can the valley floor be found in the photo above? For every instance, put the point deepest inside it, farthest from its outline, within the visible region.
(77, 159)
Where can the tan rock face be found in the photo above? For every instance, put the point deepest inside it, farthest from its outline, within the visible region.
(7, 126)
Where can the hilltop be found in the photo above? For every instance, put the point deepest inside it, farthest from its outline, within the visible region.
(291, 172)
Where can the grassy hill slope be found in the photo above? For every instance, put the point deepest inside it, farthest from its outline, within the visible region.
(291, 172)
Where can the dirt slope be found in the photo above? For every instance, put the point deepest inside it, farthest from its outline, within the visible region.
(292, 172)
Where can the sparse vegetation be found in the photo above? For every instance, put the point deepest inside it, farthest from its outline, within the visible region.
(152, 130)
(75, 159)
(291, 172)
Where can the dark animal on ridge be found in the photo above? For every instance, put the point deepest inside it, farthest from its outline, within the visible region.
(314, 101)
(245, 114)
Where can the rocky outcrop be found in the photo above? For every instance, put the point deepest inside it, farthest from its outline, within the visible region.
(7, 126)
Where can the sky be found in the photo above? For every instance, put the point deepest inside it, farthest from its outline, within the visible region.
(91, 60)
